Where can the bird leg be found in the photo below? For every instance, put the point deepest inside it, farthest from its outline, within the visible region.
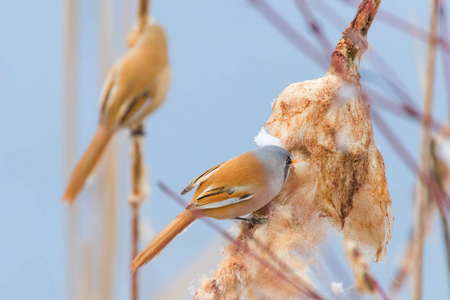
(253, 220)
(138, 131)
(138, 194)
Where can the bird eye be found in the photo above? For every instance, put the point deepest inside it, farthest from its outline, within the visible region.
(288, 160)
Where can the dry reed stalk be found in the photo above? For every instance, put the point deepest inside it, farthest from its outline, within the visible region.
(316, 29)
(139, 187)
(443, 28)
(108, 185)
(446, 233)
(441, 172)
(70, 139)
(407, 263)
(139, 192)
(422, 191)
(340, 180)
(385, 71)
(404, 269)
(289, 32)
(405, 110)
(407, 27)
(365, 282)
(143, 13)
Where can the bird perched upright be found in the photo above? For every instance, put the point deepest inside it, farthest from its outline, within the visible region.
(229, 190)
(136, 85)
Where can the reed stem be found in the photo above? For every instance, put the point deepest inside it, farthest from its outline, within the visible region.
(425, 158)
(143, 13)
(138, 194)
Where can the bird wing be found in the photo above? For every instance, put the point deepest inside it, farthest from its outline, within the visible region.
(201, 178)
(106, 92)
(135, 108)
(214, 197)
(125, 91)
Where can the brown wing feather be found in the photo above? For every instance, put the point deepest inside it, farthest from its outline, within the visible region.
(134, 107)
(200, 179)
(106, 91)
(221, 195)
(246, 175)
(233, 180)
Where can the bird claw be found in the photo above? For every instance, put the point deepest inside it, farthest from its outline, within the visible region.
(138, 131)
(253, 221)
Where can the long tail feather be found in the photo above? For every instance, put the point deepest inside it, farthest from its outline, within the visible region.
(162, 239)
(87, 163)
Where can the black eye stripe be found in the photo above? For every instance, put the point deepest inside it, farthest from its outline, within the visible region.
(288, 160)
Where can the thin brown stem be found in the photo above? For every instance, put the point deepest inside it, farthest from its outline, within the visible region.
(345, 58)
(443, 29)
(288, 31)
(137, 171)
(143, 13)
(444, 222)
(314, 25)
(136, 198)
(385, 71)
(407, 27)
(422, 190)
(134, 248)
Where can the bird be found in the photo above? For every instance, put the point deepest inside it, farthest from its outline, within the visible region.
(229, 190)
(136, 85)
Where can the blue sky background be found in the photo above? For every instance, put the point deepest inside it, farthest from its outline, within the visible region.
(228, 64)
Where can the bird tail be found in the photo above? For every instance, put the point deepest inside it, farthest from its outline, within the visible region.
(162, 239)
(87, 163)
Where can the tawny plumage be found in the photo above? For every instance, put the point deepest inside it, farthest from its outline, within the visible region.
(229, 190)
(135, 86)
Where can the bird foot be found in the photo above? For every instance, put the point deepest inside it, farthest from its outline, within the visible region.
(138, 131)
(253, 220)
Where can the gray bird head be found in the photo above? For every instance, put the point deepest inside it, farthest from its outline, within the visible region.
(277, 162)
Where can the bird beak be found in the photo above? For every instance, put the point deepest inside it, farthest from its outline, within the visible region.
(294, 161)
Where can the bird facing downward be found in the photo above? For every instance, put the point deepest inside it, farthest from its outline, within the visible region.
(136, 85)
(229, 190)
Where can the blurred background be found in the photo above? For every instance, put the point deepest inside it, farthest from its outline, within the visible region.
(228, 64)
